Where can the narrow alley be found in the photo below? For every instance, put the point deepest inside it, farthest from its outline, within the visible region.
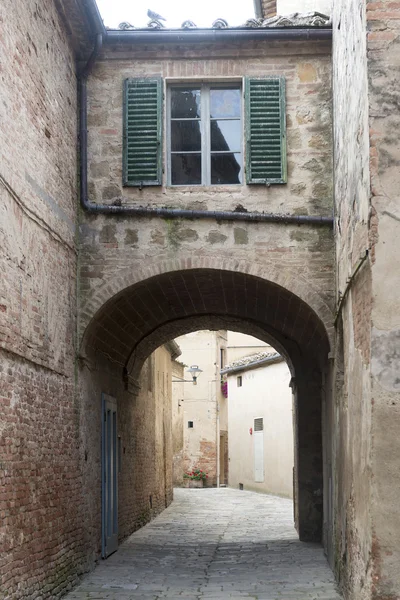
(216, 544)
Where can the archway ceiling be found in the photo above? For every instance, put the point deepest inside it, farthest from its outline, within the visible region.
(172, 299)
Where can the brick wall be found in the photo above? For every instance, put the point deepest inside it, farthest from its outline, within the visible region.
(42, 543)
(269, 8)
(144, 425)
(50, 429)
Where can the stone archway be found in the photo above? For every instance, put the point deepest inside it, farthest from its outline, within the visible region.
(141, 317)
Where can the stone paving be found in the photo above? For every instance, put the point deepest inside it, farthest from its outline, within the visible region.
(215, 544)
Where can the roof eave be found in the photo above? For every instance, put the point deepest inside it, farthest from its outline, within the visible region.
(263, 362)
(217, 35)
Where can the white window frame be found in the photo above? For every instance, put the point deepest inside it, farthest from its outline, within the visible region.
(205, 87)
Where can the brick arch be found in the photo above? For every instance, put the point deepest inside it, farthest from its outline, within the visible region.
(293, 281)
(196, 323)
(137, 312)
(172, 300)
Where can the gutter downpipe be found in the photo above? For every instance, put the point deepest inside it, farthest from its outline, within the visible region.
(168, 213)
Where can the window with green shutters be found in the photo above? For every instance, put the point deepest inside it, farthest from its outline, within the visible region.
(265, 130)
(265, 134)
(142, 158)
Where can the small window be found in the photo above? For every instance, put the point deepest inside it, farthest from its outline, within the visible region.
(222, 357)
(205, 135)
(259, 424)
(239, 381)
(190, 424)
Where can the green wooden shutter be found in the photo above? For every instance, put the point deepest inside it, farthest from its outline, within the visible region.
(265, 130)
(142, 132)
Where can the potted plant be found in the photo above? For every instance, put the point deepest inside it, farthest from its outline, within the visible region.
(195, 478)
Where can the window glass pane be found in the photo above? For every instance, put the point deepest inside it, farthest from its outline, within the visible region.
(225, 135)
(225, 103)
(186, 169)
(226, 168)
(185, 104)
(186, 135)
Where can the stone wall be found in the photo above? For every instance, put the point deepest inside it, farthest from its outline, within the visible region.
(41, 539)
(366, 189)
(152, 279)
(306, 67)
(112, 249)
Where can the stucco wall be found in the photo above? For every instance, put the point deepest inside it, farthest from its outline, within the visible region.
(240, 344)
(264, 393)
(203, 402)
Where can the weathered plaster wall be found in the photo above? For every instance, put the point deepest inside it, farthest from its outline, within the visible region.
(352, 462)
(365, 77)
(383, 45)
(41, 540)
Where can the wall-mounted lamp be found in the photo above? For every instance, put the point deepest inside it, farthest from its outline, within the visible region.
(195, 372)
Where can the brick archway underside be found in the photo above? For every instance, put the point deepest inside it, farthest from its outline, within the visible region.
(143, 316)
(147, 314)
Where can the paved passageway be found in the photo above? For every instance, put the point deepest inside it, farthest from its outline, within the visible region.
(215, 544)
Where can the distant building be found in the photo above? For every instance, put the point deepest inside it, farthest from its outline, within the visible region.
(260, 424)
(205, 417)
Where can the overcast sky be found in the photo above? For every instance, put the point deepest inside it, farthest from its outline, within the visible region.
(202, 12)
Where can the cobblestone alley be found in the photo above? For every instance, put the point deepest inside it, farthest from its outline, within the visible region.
(214, 543)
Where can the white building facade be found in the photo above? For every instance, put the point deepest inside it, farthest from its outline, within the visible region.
(260, 424)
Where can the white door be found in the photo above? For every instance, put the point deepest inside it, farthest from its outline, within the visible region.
(258, 450)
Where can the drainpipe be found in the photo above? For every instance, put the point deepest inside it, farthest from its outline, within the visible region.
(171, 213)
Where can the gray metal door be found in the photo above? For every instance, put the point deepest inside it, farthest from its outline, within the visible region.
(109, 476)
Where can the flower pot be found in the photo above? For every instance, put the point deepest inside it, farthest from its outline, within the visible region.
(195, 483)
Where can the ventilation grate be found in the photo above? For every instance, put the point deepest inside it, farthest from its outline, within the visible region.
(259, 424)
